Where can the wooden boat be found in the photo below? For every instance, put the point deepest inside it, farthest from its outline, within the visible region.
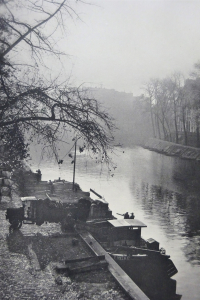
(143, 260)
(53, 210)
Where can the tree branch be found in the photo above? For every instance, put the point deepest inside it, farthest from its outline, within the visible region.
(31, 29)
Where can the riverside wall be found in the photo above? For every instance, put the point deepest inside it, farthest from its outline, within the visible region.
(173, 149)
(185, 160)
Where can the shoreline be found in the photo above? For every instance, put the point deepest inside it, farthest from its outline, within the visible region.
(172, 149)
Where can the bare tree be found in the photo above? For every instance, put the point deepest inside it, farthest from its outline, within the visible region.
(158, 96)
(166, 101)
(192, 100)
(149, 89)
(28, 101)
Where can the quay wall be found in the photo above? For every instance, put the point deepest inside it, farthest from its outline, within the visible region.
(185, 160)
(173, 149)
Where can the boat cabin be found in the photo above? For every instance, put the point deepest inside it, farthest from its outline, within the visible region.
(125, 232)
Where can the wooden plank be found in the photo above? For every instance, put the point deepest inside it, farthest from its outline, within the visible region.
(118, 273)
(79, 267)
(53, 197)
(100, 257)
(88, 267)
(96, 193)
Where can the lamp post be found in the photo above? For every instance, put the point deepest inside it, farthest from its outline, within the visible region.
(74, 166)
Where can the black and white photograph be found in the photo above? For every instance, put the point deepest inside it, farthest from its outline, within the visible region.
(99, 149)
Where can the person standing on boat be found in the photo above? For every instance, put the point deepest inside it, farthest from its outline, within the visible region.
(38, 175)
(126, 215)
(132, 216)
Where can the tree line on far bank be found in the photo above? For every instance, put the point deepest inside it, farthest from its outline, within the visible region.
(174, 106)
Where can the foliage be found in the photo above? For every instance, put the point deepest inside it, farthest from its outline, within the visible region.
(37, 106)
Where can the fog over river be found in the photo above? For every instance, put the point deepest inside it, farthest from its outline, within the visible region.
(144, 183)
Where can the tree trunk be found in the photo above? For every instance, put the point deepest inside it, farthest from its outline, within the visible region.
(198, 139)
(184, 128)
(153, 127)
(197, 131)
(176, 127)
(158, 127)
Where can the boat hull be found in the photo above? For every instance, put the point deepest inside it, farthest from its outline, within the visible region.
(151, 274)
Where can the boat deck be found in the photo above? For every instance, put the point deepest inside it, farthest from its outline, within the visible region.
(122, 278)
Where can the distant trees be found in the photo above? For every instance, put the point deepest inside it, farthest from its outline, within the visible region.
(131, 114)
(164, 98)
(36, 106)
(192, 104)
(174, 104)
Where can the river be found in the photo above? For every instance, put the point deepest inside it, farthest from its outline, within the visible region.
(144, 183)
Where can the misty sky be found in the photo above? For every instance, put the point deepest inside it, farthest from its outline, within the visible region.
(121, 44)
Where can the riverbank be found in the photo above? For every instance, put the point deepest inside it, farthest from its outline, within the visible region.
(29, 255)
(172, 149)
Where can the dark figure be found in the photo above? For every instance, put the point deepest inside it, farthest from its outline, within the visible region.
(132, 216)
(38, 175)
(51, 186)
(126, 215)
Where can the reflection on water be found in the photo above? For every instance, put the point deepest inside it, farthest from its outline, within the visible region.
(161, 191)
(176, 213)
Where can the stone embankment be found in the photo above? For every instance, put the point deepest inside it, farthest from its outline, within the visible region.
(28, 255)
(172, 149)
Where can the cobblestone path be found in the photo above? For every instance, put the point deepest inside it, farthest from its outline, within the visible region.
(18, 278)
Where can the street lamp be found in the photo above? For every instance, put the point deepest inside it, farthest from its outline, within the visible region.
(74, 167)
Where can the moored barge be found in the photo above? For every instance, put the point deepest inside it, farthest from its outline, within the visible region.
(143, 260)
